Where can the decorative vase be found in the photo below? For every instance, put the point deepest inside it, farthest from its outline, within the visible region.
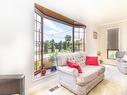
(43, 71)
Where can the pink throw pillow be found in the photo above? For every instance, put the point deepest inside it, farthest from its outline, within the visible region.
(72, 64)
(92, 60)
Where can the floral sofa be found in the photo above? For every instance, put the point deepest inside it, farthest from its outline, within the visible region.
(78, 83)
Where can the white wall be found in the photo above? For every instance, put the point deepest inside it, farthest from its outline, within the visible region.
(16, 39)
(91, 44)
(102, 42)
(16, 31)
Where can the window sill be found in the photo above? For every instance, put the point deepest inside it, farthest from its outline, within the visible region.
(43, 77)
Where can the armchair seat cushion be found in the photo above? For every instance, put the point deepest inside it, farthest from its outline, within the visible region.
(70, 71)
(99, 69)
(91, 73)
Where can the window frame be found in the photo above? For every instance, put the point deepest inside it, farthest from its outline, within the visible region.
(84, 38)
(59, 21)
(111, 50)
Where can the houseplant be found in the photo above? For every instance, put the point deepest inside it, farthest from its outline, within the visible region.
(53, 60)
(52, 57)
(43, 70)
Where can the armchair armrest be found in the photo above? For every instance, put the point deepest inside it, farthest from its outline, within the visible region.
(68, 70)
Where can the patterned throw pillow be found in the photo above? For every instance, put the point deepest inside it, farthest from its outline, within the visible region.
(80, 59)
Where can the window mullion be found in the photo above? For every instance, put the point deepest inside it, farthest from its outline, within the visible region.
(73, 40)
(42, 30)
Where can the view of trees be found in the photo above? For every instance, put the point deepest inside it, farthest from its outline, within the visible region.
(52, 46)
(66, 45)
(78, 45)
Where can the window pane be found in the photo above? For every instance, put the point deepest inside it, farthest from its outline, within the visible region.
(35, 25)
(37, 43)
(38, 36)
(38, 18)
(112, 54)
(35, 15)
(79, 39)
(57, 37)
(38, 26)
(76, 29)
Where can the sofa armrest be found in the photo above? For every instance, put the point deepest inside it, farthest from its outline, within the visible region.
(68, 70)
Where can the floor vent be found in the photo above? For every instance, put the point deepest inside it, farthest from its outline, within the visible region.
(54, 88)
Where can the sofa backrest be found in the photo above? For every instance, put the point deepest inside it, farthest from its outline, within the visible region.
(78, 57)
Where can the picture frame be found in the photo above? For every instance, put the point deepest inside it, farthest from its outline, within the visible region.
(94, 35)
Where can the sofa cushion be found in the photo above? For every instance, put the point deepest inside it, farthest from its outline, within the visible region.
(91, 73)
(92, 60)
(72, 64)
(78, 57)
(61, 60)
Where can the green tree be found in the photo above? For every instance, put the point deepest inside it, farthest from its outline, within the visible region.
(68, 43)
(52, 42)
(46, 43)
(60, 46)
(67, 38)
(78, 43)
(65, 45)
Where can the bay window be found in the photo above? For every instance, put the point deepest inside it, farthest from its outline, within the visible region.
(51, 37)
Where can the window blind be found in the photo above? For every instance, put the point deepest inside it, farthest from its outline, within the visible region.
(113, 35)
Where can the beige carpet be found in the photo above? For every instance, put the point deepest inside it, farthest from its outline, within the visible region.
(114, 83)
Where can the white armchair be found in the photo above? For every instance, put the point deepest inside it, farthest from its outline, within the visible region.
(121, 64)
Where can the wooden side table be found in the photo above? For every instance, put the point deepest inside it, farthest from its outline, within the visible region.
(12, 84)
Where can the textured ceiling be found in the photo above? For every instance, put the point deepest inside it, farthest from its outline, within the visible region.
(95, 11)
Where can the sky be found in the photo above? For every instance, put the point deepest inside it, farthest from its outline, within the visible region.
(55, 30)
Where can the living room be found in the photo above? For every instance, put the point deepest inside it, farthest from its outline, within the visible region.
(88, 29)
